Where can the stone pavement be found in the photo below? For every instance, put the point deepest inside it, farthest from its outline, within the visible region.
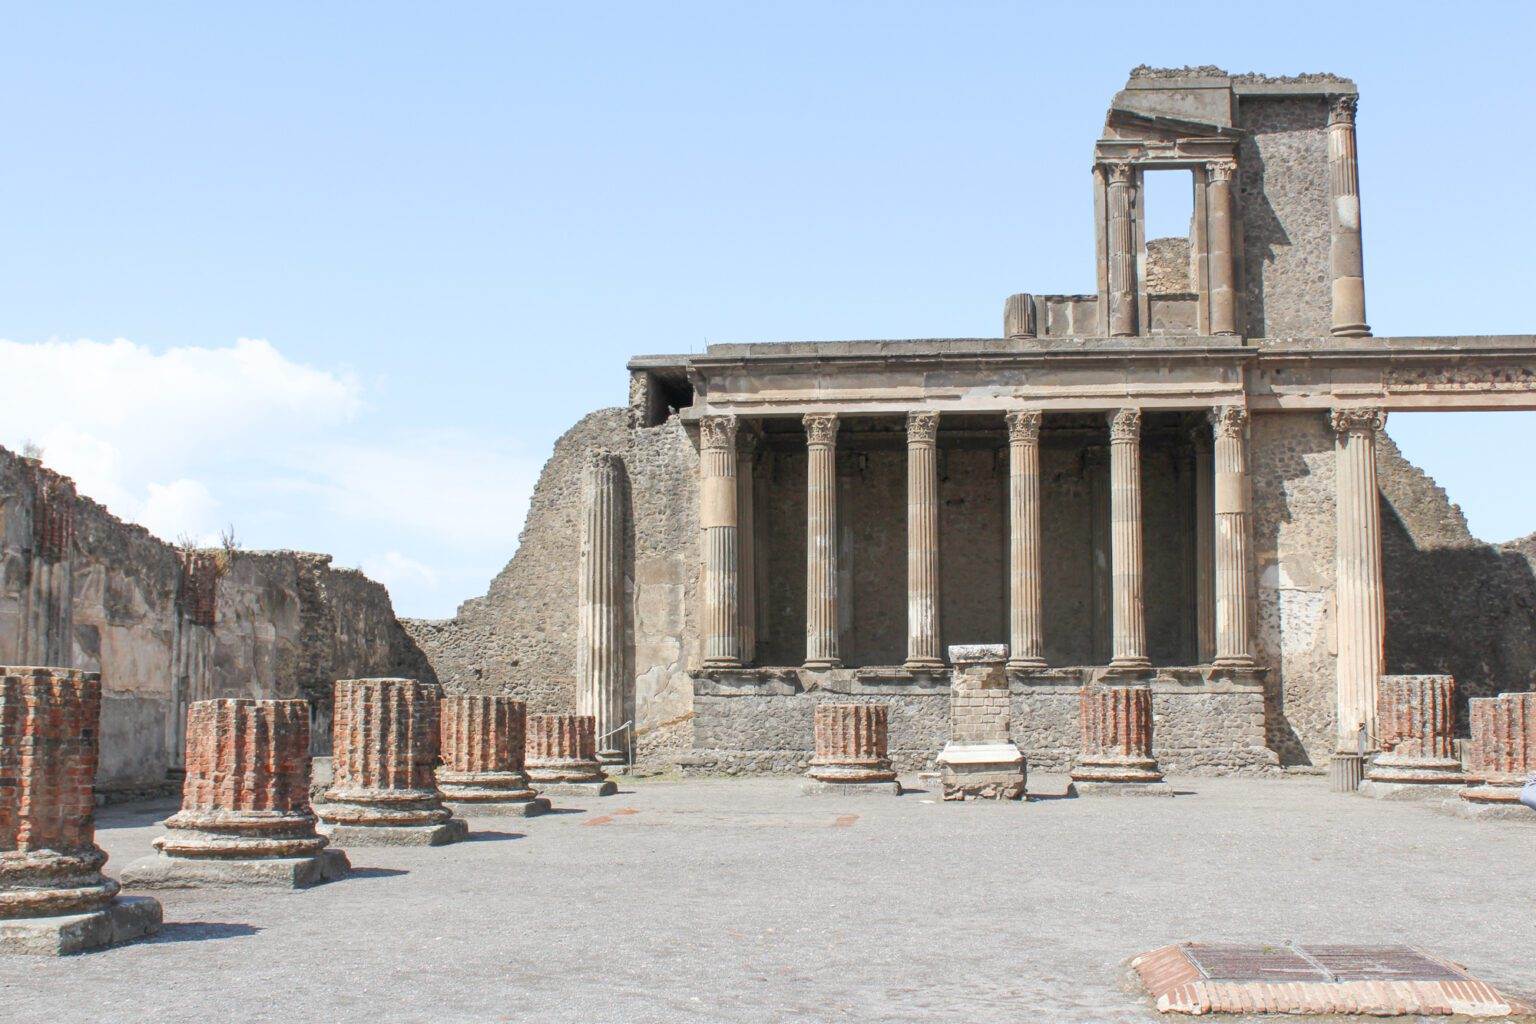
(740, 900)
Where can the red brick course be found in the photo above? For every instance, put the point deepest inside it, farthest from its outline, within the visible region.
(851, 743)
(49, 738)
(1116, 724)
(1503, 748)
(563, 748)
(1417, 716)
(385, 740)
(483, 741)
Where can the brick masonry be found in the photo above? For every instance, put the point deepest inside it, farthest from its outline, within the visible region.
(851, 744)
(562, 748)
(386, 744)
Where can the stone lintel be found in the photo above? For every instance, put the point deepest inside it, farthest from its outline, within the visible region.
(977, 654)
(1192, 680)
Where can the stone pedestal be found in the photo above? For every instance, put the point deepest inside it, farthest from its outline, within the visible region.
(981, 761)
(482, 771)
(245, 817)
(851, 753)
(1117, 743)
(383, 790)
(1417, 717)
(562, 756)
(53, 897)
(1503, 755)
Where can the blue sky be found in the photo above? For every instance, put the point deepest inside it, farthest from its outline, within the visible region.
(441, 230)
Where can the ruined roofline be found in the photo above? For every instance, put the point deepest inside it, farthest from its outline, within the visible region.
(1250, 82)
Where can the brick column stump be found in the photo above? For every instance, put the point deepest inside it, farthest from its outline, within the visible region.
(482, 771)
(852, 755)
(54, 899)
(1503, 755)
(562, 756)
(981, 761)
(1116, 757)
(383, 784)
(1417, 718)
(245, 817)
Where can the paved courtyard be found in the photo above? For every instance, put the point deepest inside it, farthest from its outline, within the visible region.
(743, 901)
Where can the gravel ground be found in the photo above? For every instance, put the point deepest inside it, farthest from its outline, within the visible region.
(741, 900)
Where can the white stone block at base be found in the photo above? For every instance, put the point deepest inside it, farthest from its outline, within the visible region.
(1002, 754)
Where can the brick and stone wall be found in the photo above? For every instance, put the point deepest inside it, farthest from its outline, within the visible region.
(117, 600)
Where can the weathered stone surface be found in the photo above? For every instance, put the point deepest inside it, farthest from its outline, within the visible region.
(383, 790)
(53, 896)
(483, 739)
(980, 761)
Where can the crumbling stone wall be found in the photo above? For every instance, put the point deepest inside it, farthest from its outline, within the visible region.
(282, 624)
(520, 638)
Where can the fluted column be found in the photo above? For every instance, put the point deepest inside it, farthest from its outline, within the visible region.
(600, 641)
(746, 546)
(1120, 195)
(1129, 612)
(1222, 247)
(562, 756)
(1346, 256)
(718, 519)
(821, 640)
(1418, 727)
(923, 541)
(851, 744)
(1026, 611)
(1116, 724)
(483, 740)
(1234, 646)
(1359, 591)
(1205, 548)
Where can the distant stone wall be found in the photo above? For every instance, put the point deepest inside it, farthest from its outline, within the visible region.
(116, 600)
(520, 638)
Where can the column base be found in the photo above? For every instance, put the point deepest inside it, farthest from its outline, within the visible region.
(1100, 788)
(1139, 663)
(722, 663)
(604, 787)
(163, 872)
(1415, 771)
(819, 787)
(1235, 661)
(1116, 771)
(123, 920)
(1351, 331)
(441, 834)
(923, 665)
(529, 808)
(822, 664)
(1377, 789)
(1345, 772)
(1026, 664)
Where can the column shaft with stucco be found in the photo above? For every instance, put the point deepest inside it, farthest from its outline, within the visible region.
(1359, 589)
(923, 541)
(746, 546)
(718, 520)
(1120, 196)
(1205, 548)
(821, 639)
(1234, 644)
(1346, 259)
(601, 643)
(1129, 618)
(1026, 601)
(1223, 247)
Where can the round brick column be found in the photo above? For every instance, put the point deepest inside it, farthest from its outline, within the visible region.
(563, 748)
(851, 744)
(1503, 748)
(482, 744)
(1416, 717)
(246, 793)
(385, 749)
(1117, 735)
(49, 734)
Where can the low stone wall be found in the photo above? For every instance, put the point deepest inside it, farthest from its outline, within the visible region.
(762, 721)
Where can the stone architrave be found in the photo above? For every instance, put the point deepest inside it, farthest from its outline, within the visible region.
(981, 760)
(482, 771)
(1417, 718)
(54, 899)
(1346, 258)
(1360, 591)
(851, 751)
(245, 817)
(562, 757)
(1503, 756)
(385, 749)
(923, 542)
(1116, 755)
(601, 672)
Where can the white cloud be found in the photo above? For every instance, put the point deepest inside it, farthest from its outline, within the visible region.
(181, 508)
(395, 570)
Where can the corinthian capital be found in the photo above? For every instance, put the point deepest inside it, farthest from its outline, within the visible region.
(1118, 172)
(1125, 426)
(1024, 425)
(1221, 170)
(1341, 109)
(1229, 420)
(717, 433)
(922, 427)
(1358, 420)
(820, 427)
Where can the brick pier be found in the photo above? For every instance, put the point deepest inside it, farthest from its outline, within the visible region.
(1117, 742)
(1503, 755)
(562, 756)
(851, 750)
(1417, 720)
(482, 771)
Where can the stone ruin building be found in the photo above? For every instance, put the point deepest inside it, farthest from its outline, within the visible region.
(1181, 479)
